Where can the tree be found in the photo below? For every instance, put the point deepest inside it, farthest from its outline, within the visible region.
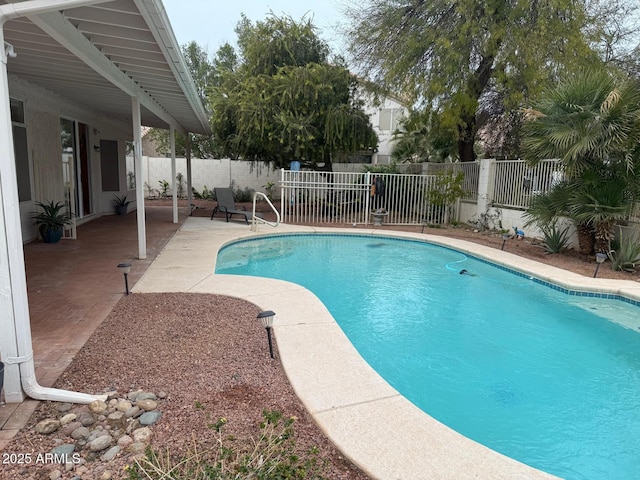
(449, 56)
(591, 123)
(205, 74)
(421, 138)
(285, 101)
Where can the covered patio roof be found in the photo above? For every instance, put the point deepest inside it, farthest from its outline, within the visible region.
(119, 59)
(102, 54)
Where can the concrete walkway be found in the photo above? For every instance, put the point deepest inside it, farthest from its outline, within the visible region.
(377, 428)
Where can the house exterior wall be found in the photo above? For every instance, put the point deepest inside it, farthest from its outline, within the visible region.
(43, 112)
(385, 118)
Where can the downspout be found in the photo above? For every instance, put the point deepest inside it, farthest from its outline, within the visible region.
(22, 340)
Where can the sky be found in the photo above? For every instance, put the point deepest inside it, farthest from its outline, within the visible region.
(211, 23)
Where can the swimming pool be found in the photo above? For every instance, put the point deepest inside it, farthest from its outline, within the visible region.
(525, 369)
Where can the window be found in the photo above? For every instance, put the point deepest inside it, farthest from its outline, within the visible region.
(21, 150)
(389, 118)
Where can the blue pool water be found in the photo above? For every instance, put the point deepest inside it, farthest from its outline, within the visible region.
(547, 378)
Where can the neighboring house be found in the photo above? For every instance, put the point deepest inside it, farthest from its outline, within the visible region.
(78, 80)
(385, 114)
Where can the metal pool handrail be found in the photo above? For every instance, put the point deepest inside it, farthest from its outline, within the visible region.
(255, 219)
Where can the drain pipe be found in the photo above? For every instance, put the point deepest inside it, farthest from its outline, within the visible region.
(36, 391)
(14, 279)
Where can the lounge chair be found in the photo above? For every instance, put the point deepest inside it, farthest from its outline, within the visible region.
(227, 205)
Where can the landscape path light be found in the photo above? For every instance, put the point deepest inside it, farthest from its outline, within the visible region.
(505, 237)
(600, 258)
(126, 268)
(266, 318)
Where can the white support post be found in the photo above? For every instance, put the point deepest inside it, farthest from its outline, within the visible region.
(137, 158)
(174, 174)
(189, 172)
(14, 306)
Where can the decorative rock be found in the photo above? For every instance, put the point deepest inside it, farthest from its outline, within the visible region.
(106, 475)
(86, 419)
(149, 418)
(147, 404)
(70, 427)
(64, 407)
(124, 441)
(123, 405)
(137, 447)
(63, 450)
(113, 402)
(110, 454)
(68, 418)
(100, 443)
(140, 395)
(69, 466)
(98, 407)
(55, 475)
(116, 418)
(162, 395)
(80, 432)
(131, 412)
(47, 426)
(142, 435)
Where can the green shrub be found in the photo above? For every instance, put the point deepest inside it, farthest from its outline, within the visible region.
(205, 195)
(273, 456)
(626, 255)
(555, 240)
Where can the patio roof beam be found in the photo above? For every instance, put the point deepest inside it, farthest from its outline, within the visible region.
(61, 30)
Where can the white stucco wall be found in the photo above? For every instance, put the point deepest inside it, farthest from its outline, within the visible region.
(43, 112)
(211, 173)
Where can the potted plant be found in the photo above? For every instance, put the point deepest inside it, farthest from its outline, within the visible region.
(121, 204)
(51, 220)
(378, 216)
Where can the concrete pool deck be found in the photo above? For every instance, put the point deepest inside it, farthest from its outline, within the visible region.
(370, 422)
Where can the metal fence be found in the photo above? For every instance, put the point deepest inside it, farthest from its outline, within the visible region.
(471, 172)
(516, 182)
(349, 198)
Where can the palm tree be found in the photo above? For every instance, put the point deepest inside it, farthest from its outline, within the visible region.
(592, 124)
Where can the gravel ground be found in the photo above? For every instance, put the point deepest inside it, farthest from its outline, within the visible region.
(210, 356)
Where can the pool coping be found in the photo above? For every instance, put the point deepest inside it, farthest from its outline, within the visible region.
(369, 421)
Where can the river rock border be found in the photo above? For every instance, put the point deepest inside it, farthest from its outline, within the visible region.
(100, 432)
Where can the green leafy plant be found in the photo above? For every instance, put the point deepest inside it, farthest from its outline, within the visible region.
(164, 188)
(273, 455)
(627, 254)
(51, 215)
(120, 201)
(51, 220)
(445, 192)
(556, 240)
(206, 194)
(270, 188)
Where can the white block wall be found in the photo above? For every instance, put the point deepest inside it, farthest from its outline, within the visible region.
(211, 173)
